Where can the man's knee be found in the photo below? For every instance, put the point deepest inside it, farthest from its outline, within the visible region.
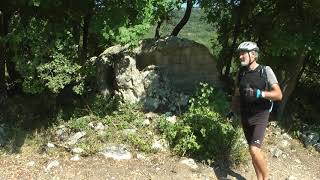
(254, 150)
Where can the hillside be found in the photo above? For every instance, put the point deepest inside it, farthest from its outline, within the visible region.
(196, 29)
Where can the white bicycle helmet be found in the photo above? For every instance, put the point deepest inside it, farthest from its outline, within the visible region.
(248, 46)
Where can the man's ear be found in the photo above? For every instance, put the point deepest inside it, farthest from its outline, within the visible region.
(254, 54)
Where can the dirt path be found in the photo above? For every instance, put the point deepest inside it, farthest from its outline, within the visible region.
(295, 162)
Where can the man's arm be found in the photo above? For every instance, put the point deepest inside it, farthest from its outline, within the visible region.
(274, 94)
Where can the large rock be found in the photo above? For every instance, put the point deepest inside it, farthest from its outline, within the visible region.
(105, 65)
(158, 73)
(185, 62)
(129, 80)
(310, 138)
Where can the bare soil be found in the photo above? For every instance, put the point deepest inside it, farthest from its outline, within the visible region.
(296, 161)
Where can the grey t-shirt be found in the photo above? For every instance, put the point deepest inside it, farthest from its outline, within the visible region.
(272, 79)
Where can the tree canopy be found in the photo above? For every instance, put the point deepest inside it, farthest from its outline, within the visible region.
(45, 45)
(287, 33)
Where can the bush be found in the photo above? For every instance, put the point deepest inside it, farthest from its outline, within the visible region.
(203, 131)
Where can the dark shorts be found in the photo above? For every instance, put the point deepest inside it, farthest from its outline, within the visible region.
(254, 126)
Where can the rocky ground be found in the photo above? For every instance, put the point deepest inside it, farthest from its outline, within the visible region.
(287, 159)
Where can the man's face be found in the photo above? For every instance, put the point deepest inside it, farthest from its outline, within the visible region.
(245, 57)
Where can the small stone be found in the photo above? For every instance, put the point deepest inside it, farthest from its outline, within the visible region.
(317, 147)
(276, 152)
(284, 156)
(159, 145)
(116, 152)
(75, 158)
(172, 119)
(310, 138)
(74, 139)
(284, 143)
(151, 115)
(141, 156)
(277, 133)
(229, 177)
(189, 162)
(91, 124)
(274, 123)
(50, 145)
(146, 122)
(31, 163)
(77, 150)
(52, 164)
(291, 178)
(99, 127)
(286, 136)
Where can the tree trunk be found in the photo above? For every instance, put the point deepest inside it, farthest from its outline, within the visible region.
(226, 56)
(11, 67)
(86, 24)
(4, 27)
(222, 54)
(184, 20)
(76, 34)
(157, 34)
(229, 55)
(13, 74)
(289, 83)
(164, 17)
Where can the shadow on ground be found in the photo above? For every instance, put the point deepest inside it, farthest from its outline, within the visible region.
(26, 115)
(224, 174)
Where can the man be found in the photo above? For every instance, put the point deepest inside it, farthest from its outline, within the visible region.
(256, 88)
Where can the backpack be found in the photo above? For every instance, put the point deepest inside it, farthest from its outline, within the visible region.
(263, 73)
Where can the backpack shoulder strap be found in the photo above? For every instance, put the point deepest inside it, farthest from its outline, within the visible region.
(263, 74)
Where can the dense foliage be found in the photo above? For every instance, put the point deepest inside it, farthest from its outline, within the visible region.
(46, 45)
(203, 130)
(287, 33)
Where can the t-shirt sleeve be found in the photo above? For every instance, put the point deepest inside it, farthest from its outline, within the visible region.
(272, 79)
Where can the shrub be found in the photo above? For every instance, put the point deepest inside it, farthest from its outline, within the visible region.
(203, 131)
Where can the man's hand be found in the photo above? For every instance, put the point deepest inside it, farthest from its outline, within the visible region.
(251, 92)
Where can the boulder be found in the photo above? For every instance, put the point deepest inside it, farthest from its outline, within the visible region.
(157, 73)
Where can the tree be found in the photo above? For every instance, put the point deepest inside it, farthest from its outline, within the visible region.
(3, 48)
(231, 19)
(47, 43)
(163, 12)
(184, 19)
(286, 31)
(292, 43)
